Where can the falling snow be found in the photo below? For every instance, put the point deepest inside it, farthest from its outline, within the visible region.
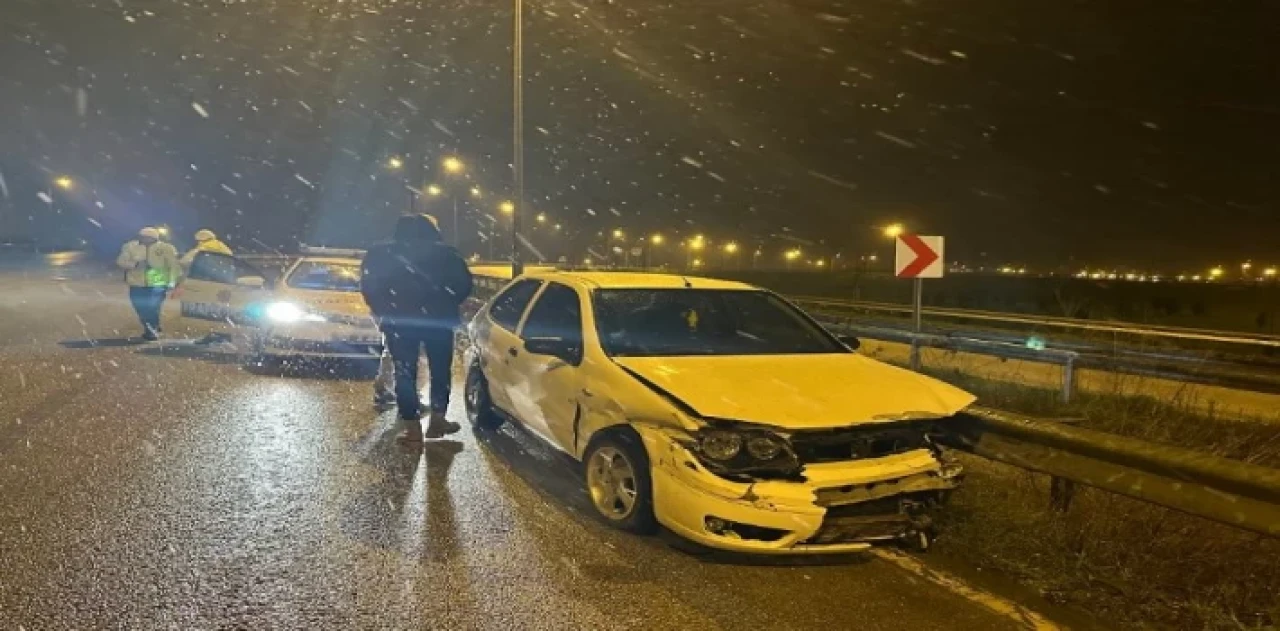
(199, 109)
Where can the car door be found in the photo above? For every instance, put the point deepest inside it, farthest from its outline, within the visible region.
(544, 389)
(220, 289)
(496, 338)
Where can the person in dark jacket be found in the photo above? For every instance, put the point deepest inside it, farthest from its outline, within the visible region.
(414, 286)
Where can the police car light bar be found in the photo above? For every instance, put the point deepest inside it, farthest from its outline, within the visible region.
(313, 250)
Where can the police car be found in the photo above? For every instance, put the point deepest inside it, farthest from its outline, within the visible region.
(308, 306)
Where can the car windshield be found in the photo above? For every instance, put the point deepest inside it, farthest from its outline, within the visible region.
(672, 322)
(325, 276)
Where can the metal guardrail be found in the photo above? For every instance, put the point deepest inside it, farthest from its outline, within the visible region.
(1066, 359)
(1220, 489)
(1202, 335)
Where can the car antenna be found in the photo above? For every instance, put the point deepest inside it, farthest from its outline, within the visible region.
(687, 284)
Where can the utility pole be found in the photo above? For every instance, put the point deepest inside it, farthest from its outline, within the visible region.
(517, 67)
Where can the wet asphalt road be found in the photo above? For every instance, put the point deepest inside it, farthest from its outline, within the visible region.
(160, 486)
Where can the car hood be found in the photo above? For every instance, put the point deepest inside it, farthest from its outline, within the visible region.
(799, 391)
(344, 303)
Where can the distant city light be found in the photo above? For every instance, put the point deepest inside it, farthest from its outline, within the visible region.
(63, 182)
(394, 163)
(1270, 272)
(895, 230)
(475, 191)
(792, 255)
(507, 208)
(731, 248)
(434, 190)
(697, 262)
(542, 218)
(453, 165)
(656, 239)
(1216, 273)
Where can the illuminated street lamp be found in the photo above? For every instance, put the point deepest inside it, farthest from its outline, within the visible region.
(792, 256)
(557, 227)
(452, 165)
(395, 163)
(63, 182)
(1216, 273)
(820, 263)
(507, 207)
(1270, 272)
(542, 217)
(731, 248)
(434, 190)
(697, 263)
(656, 239)
(618, 234)
(475, 192)
(894, 230)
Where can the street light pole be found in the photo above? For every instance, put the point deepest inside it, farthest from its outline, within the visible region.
(517, 66)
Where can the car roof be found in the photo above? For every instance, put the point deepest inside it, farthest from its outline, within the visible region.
(638, 280)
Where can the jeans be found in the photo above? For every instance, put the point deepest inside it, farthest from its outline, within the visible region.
(404, 344)
(147, 302)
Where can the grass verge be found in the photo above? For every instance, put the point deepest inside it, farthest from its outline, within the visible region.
(1132, 564)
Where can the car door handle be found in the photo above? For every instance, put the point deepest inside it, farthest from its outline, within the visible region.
(513, 352)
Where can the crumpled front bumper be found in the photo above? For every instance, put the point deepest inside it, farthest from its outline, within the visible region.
(841, 507)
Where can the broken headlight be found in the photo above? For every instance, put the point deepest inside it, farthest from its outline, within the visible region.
(746, 451)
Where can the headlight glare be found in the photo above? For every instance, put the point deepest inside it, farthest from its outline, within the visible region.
(721, 445)
(288, 313)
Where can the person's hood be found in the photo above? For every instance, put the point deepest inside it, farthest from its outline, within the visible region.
(798, 391)
(417, 228)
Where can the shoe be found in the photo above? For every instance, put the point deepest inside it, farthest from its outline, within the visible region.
(409, 436)
(384, 398)
(150, 336)
(439, 426)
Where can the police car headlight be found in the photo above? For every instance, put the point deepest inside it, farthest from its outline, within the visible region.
(288, 313)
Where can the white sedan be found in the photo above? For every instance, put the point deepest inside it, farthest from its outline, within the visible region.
(716, 409)
(312, 310)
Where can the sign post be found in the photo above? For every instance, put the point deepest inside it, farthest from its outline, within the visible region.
(918, 258)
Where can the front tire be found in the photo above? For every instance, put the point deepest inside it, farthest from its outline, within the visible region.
(480, 410)
(619, 481)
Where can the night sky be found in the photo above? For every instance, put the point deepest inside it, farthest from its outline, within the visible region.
(1065, 133)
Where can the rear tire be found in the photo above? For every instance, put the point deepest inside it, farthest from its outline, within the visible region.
(480, 410)
(619, 481)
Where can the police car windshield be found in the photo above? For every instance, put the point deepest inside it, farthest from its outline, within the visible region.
(325, 276)
(675, 322)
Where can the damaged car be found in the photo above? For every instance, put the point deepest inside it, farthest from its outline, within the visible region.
(715, 409)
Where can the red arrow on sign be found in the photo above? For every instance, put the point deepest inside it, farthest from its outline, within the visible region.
(925, 256)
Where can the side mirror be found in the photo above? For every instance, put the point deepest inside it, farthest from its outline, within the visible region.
(851, 341)
(252, 282)
(553, 347)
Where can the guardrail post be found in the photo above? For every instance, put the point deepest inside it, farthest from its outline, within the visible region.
(915, 353)
(1061, 491)
(1068, 379)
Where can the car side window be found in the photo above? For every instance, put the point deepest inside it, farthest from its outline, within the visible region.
(510, 304)
(557, 314)
(220, 268)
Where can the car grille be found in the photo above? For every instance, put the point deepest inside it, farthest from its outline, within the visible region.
(880, 519)
(360, 322)
(853, 444)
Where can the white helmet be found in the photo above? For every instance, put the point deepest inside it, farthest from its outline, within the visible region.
(205, 235)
